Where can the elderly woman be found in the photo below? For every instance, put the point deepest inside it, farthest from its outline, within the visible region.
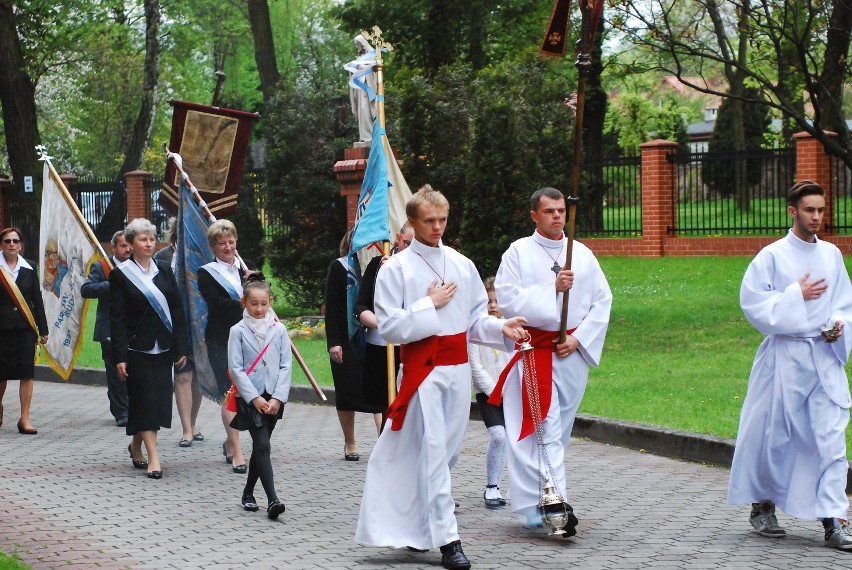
(220, 282)
(21, 319)
(149, 337)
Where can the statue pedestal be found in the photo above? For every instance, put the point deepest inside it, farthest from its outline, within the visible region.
(349, 172)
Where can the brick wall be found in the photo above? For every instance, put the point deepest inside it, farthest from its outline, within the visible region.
(659, 198)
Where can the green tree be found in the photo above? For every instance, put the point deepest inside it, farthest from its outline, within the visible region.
(719, 176)
(520, 141)
(308, 125)
(669, 124)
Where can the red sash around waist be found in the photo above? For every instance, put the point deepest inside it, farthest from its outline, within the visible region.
(418, 360)
(544, 345)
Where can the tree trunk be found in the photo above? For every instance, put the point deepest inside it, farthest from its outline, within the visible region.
(594, 114)
(135, 153)
(17, 96)
(264, 47)
(830, 89)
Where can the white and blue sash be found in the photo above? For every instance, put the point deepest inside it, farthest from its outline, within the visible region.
(216, 273)
(155, 297)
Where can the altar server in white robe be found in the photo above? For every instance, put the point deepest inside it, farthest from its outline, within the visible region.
(531, 282)
(791, 446)
(430, 300)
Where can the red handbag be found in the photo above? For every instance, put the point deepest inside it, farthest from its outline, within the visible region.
(231, 394)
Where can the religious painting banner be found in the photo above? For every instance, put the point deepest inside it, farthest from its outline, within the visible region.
(213, 142)
(65, 256)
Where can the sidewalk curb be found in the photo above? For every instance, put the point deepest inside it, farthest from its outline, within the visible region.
(666, 442)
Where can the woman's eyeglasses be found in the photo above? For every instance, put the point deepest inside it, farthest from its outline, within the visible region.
(11, 240)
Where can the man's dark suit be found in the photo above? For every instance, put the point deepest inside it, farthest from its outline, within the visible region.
(97, 287)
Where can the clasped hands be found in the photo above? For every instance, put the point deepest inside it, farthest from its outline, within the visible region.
(270, 407)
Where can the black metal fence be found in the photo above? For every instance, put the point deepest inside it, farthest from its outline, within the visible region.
(842, 205)
(724, 193)
(103, 202)
(614, 209)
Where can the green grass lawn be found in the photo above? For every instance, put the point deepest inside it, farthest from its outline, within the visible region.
(678, 351)
(11, 562)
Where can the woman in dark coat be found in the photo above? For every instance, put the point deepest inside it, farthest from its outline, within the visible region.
(17, 351)
(345, 362)
(149, 337)
(220, 282)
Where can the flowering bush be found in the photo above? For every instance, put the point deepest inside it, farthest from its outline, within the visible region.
(301, 327)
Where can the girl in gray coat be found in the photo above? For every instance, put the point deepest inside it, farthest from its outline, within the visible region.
(259, 362)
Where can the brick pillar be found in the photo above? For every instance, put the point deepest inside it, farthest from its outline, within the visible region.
(5, 188)
(814, 163)
(658, 175)
(349, 172)
(137, 185)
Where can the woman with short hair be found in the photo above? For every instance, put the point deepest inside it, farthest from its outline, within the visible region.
(220, 283)
(149, 338)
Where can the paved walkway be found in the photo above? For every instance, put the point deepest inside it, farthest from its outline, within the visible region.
(69, 497)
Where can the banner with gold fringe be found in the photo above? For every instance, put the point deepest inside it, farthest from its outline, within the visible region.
(213, 142)
(65, 255)
(556, 37)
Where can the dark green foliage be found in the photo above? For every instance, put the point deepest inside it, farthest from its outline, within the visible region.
(432, 130)
(671, 126)
(755, 122)
(247, 220)
(520, 141)
(429, 34)
(306, 130)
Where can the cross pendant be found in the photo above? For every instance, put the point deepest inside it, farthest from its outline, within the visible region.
(556, 269)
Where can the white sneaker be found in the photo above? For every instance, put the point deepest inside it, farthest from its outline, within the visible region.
(840, 537)
(493, 498)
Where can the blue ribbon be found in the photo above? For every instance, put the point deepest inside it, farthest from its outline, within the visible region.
(143, 288)
(222, 280)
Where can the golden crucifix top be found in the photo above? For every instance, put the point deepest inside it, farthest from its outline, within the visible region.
(375, 38)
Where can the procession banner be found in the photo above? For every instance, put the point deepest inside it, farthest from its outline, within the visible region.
(65, 255)
(556, 36)
(191, 252)
(213, 142)
(380, 214)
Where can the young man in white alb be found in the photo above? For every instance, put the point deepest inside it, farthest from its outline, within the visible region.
(531, 281)
(791, 444)
(430, 300)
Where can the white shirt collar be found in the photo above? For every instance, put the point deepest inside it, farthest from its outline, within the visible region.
(21, 263)
(547, 242)
(232, 267)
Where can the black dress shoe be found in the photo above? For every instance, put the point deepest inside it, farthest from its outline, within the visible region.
(570, 528)
(240, 468)
(137, 464)
(198, 436)
(121, 422)
(274, 509)
(228, 458)
(155, 474)
(249, 503)
(453, 558)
